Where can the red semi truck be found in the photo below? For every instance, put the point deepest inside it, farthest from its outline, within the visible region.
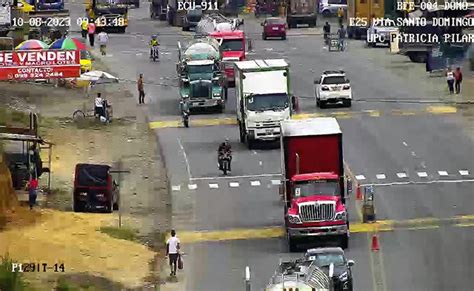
(232, 46)
(314, 184)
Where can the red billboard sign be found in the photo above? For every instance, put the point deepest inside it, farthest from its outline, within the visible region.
(39, 64)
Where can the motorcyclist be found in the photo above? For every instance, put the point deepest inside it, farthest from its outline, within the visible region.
(153, 44)
(223, 149)
(327, 31)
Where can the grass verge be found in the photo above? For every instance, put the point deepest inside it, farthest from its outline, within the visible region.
(121, 233)
(9, 280)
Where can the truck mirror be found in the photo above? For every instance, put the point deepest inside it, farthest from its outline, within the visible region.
(350, 263)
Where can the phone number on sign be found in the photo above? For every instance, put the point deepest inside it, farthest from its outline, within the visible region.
(36, 74)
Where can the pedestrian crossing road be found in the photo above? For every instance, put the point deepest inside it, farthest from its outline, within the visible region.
(380, 179)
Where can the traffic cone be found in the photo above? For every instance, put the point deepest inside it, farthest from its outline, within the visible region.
(358, 192)
(375, 243)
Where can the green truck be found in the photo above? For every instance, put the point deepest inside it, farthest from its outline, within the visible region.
(200, 75)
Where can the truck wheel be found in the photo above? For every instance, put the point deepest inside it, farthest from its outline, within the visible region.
(322, 104)
(77, 206)
(292, 245)
(249, 142)
(347, 103)
(357, 35)
(344, 242)
(264, 37)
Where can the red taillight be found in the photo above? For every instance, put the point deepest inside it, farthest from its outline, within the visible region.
(324, 88)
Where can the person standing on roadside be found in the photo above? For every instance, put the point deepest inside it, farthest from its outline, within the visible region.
(103, 38)
(32, 188)
(91, 32)
(84, 25)
(457, 80)
(172, 251)
(141, 90)
(340, 15)
(450, 80)
(342, 36)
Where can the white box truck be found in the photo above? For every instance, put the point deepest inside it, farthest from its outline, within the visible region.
(264, 99)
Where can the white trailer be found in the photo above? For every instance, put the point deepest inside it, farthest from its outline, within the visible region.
(264, 99)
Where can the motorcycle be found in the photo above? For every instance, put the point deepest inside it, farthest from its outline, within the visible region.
(225, 163)
(155, 54)
(185, 115)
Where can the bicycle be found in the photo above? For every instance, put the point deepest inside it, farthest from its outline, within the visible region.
(79, 115)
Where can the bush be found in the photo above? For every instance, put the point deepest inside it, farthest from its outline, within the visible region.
(121, 233)
(13, 281)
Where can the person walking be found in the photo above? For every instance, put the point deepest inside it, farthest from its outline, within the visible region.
(32, 194)
(91, 32)
(450, 80)
(457, 80)
(342, 36)
(141, 90)
(172, 251)
(103, 39)
(340, 15)
(84, 25)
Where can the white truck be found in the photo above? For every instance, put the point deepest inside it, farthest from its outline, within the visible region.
(264, 99)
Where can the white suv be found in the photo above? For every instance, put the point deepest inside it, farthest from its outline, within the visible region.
(333, 87)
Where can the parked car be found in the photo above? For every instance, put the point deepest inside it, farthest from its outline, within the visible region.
(274, 27)
(333, 87)
(330, 7)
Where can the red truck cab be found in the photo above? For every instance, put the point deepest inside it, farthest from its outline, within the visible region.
(232, 46)
(314, 182)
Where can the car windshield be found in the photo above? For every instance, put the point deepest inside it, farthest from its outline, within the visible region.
(232, 45)
(272, 21)
(86, 55)
(324, 260)
(267, 102)
(335, 80)
(202, 69)
(320, 187)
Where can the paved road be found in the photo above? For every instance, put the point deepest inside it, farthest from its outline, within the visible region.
(432, 150)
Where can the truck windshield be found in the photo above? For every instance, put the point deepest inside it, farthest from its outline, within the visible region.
(203, 69)
(232, 45)
(320, 187)
(267, 102)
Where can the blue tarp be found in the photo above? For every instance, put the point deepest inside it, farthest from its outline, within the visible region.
(440, 58)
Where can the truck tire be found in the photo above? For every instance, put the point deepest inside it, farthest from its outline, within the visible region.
(347, 103)
(326, 13)
(264, 37)
(77, 206)
(249, 142)
(344, 241)
(322, 104)
(292, 244)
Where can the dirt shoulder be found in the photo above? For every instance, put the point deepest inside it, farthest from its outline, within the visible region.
(53, 233)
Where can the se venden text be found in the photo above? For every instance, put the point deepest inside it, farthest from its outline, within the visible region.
(38, 267)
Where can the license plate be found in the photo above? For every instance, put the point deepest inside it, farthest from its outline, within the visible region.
(269, 131)
(196, 104)
(275, 28)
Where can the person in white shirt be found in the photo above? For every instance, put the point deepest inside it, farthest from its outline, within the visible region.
(99, 106)
(450, 80)
(172, 251)
(103, 39)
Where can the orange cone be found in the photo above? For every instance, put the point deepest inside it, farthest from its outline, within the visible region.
(358, 192)
(375, 243)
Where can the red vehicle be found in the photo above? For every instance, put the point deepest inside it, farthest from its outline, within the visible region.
(94, 189)
(314, 183)
(232, 46)
(274, 27)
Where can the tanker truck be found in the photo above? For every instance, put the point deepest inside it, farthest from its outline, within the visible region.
(200, 75)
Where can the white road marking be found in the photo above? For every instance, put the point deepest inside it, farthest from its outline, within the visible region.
(276, 182)
(401, 175)
(260, 163)
(176, 188)
(188, 168)
(234, 177)
(405, 144)
(464, 172)
(443, 173)
(234, 184)
(192, 186)
(360, 177)
(413, 154)
(380, 176)
(422, 174)
(255, 183)
(419, 182)
(213, 186)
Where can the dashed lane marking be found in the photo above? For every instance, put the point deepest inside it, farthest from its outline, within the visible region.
(278, 231)
(176, 188)
(464, 172)
(255, 183)
(435, 110)
(443, 173)
(401, 175)
(192, 186)
(380, 176)
(214, 186)
(276, 182)
(422, 174)
(360, 177)
(234, 184)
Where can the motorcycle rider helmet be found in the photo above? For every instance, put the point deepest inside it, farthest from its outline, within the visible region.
(154, 36)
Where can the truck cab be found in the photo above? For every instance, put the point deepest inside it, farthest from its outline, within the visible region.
(314, 187)
(232, 47)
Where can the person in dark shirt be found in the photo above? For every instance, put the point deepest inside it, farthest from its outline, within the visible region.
(457, 80)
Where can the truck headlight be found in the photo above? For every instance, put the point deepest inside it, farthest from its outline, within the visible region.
(343, 277)
(341, 215)
(185, 96)
(216, 95)
(294, 219)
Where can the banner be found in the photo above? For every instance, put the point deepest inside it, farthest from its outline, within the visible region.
(39, 64)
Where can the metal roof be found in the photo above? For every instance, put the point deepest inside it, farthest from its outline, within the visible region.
(200, 62)
(309, 127)
(261, 64)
